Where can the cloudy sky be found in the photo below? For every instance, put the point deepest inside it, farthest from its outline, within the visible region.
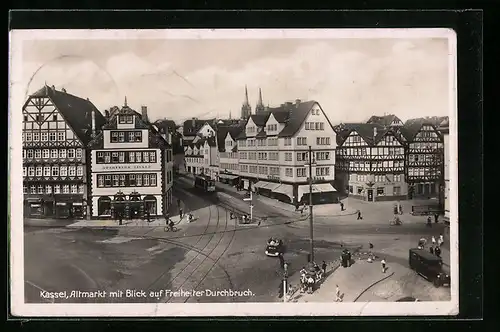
(352, 79)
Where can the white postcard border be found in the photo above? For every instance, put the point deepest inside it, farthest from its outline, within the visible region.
(17, 95)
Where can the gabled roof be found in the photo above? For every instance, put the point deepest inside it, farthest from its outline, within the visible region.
(167, 125)
(261, 134)
(125, 110)
(222, 132)
(75, 110)
(260, 119)
(297, 116)
(411, 127)
(191, 127)
(366, 131)
(385, 120)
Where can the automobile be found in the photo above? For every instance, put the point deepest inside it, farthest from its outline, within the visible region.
(428, 266)
(274, 247)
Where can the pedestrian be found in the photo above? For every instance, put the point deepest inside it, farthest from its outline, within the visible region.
(337, 294)
(431, 250)
(429, 221)
(180, 212)
(441, 239)
(437, 251)
(323, 266)
(433, 240)
(296, 206)
(436, 218)
(342, 206)
(359, 215)
(383, 265)
(310, 284)
(400, 208)
(231, 215)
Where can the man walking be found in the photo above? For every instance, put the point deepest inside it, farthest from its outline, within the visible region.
(437, 251)
(342, 206)
(359, 215)
(433, 240)
(323, 267)
(441, 240)
(383, 265)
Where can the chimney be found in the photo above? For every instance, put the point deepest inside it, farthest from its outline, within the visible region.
(53, 88)
(193, 122)
(162, 133)
(93, 123)
(169, 138)
(374, 132)
(144, 112)
(297, 102)
(63, 90)
(288, 103)
(106, 114)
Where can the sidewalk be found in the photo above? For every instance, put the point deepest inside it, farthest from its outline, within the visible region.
(352, 282)
(100, 223)
(331, 210)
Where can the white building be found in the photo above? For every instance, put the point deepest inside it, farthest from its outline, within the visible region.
(201, 157)
(229, 168)
(274, 153)
(132, 167)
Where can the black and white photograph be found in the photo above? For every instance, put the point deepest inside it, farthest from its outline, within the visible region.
(265, 172)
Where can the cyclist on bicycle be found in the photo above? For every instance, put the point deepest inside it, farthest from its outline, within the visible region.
(171, 225)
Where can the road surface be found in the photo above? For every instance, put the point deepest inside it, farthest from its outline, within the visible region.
(213, 254)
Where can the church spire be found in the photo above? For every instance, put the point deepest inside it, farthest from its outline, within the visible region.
(260, 104)
(125, 103)
(246, 109)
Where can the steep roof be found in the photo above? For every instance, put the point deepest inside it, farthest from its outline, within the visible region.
(166, 124)
(385, 120)
(260, 119)
(222, 132)
(191, 127)
(297, 116)
(411, 128)
(366, 131)
(75, 110)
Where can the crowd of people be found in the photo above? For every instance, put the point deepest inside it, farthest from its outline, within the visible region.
(435, 247)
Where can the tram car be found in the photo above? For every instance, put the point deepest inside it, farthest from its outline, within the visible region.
(204, 183)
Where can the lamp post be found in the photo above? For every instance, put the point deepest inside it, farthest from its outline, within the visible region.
(311, 232)
(250, 199)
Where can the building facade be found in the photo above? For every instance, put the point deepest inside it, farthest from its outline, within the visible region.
(274, 153)
(445, 131)
(370, 162)
(201, 157)
(56, 129)
(424, 159)
(132, 168)
(227, 145)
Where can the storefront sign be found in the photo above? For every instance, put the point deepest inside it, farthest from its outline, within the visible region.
(125, 167)
(77, 204)
(61, 204)
(35, 205)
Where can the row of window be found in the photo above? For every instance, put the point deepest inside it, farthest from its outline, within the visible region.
(426, 146)
(379, 178)
(44, 136)
(126, 119)
(126, 136)
(388, 151)
(428, 158)
(52, 153)
(126, 180)
(196, 160)
(264, 170)
(39, 117)
(116, 157)
(380, 191)
(417, 171)
(272, 127)
(314, 126)
(58, 170)
(228, 166)
(376, 165)
(54, 189)
(301, 141)
(229, 155)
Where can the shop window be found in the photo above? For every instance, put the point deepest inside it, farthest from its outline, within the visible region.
(397, 191)
(360, 190)
(380, 191)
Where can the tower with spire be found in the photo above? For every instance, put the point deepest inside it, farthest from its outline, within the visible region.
(260, 105)
(246, 109)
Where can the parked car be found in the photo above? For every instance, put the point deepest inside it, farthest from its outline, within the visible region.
(428, 266)
(274, 247)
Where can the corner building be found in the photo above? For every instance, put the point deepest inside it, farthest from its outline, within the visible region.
(132, 168)
(57, 127)
(274, 153)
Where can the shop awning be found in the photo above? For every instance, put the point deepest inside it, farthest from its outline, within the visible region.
(34, 200)
(284, 189)
(228, 176)
(316, 188)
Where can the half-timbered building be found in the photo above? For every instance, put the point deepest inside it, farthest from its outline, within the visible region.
(424, 158)
(370, 162)
(445, 131)
(132, 168)
(56, 129)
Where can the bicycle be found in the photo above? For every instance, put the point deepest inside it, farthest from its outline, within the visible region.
(170, 229)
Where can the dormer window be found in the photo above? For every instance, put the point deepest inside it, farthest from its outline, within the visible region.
(128, 119)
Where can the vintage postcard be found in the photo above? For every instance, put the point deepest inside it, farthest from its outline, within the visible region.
(169, 173)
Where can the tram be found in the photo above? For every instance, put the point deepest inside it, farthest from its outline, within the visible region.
(204, 183)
